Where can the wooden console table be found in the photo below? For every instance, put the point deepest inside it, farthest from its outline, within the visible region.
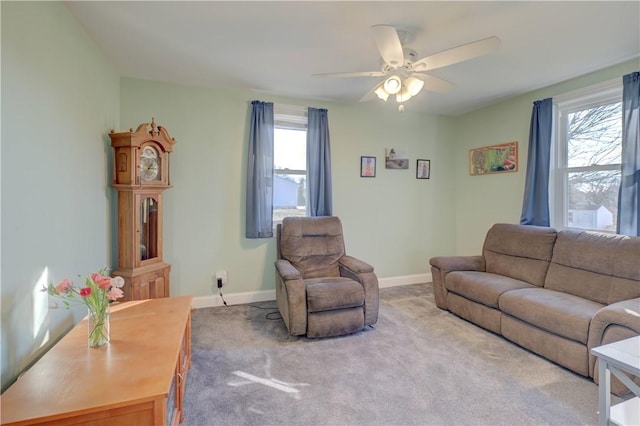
(139, 378)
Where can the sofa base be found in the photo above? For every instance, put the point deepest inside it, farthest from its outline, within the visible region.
(477, 313)
(567, 353)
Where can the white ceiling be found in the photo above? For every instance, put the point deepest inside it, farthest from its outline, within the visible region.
(274, 47)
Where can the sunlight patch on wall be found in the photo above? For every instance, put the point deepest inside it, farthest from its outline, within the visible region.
(40, 303)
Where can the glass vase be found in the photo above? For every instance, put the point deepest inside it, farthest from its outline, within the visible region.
(99, 327)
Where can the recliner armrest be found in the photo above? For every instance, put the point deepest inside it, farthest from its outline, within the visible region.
(362, 272)
(286, 270)
(355, 265)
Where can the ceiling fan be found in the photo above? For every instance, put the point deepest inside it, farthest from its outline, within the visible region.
(404, 74)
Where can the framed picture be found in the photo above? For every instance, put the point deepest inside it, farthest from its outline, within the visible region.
(396, 158)
(367, 166)
(502, 158)
(423, 169)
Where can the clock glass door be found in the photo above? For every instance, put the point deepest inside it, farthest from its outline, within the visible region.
(148, 228)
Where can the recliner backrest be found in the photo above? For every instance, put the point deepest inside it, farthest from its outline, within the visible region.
(601, 267)
(313, 245)
(522, 252)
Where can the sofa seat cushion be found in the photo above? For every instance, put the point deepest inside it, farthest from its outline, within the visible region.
(324, 294)
(559, 313)
(482, 287)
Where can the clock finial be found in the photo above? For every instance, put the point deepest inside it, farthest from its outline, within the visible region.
(154, 129)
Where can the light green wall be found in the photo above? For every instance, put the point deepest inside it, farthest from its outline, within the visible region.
(482, 201)
(393, 221)
(59, 99)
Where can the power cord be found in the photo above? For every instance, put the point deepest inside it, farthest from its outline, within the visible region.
(272, 316)
(220, 291)
(222, 297)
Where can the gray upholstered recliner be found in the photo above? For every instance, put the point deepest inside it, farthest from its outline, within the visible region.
(322, 292)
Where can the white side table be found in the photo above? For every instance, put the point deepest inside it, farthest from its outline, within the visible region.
(620, 358)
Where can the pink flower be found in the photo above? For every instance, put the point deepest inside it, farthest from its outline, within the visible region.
(103, 283)
(85, 292)
(115, 293)
(64, 286)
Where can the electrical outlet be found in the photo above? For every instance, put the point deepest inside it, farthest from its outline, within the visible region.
(221, 278)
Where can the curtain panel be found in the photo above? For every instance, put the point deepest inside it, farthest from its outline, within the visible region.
(259, 210)
(319, 163)
(535, 206)
(629, 196)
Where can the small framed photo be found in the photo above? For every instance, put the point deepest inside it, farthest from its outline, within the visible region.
(396, 158)
(367, 166)
(423, 169)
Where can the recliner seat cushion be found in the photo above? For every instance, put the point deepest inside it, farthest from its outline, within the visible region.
(482, 287)
(559, 313)
(324, 294)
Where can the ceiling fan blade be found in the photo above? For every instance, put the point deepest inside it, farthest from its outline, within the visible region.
(389, 45)
(371, 94)
(434, 84)
(351, 74)
(457, 54)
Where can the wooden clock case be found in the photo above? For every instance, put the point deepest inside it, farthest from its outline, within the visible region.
(141, 174)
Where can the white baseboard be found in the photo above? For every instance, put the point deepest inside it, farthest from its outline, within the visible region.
(404, 280)
(267, 295)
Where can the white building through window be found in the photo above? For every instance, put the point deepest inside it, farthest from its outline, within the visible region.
(586, 158)
(289, 162)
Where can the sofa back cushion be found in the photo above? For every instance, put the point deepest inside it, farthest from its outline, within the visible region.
(522, 252)
(313, 245)
(601, 267)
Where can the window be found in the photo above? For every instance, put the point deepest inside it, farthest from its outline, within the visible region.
(289, 162)
(586, 158)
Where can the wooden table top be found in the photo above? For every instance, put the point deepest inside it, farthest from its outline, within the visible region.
(136, 366)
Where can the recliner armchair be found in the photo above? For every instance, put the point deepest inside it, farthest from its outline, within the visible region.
(320, 291)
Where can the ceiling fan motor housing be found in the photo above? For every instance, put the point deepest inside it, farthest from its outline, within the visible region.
(410, 56)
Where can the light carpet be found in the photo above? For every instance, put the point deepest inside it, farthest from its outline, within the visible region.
(419, 366)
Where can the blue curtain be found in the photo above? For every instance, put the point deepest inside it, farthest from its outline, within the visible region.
(319, 163)
(259, 222)
(629, 196)
(535, 207)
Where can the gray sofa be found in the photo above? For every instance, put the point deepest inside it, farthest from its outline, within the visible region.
(555, 293)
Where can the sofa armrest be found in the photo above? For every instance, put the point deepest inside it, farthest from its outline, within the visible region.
(458, 263)
(362, 272)
(442, 265)
(624, 314)
(614, 322)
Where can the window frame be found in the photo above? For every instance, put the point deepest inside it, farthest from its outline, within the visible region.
(606, 92)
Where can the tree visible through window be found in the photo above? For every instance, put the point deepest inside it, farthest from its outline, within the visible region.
(588, 157)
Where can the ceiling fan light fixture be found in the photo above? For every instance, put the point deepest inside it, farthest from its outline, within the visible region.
(381, 93)
(403, 95)
(393, 85)
(414, 85)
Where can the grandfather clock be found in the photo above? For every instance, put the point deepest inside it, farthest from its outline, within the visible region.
(141, 175)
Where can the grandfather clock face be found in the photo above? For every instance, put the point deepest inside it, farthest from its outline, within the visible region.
(149, 165)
